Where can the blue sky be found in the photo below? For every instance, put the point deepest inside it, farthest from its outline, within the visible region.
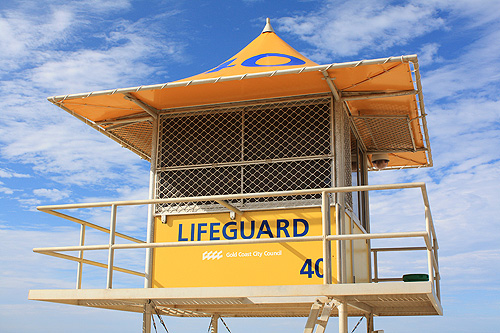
(53, 47)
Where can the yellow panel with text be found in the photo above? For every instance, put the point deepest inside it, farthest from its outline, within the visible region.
(292, 263)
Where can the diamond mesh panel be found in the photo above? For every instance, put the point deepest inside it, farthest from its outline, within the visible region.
(229, 151)
(286, 130)
(385, 133)
(137, 135)
(287, 176)
(196, 182)
(200, 138)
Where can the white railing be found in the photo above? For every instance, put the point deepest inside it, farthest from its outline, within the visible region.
(429, 235)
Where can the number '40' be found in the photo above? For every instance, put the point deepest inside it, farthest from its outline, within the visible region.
(308, 270)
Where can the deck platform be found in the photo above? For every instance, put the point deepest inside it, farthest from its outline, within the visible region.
(380, 299)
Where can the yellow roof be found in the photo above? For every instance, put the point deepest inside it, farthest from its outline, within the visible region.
(270, 68)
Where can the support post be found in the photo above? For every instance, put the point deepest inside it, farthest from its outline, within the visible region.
(214, 323)
(111, 253)
(327, 250)
(430, 258)
(151, 208)
(148, 281)
(343, 323)
(369, 323)
(146, 318)
(340, 181)
(79, 272)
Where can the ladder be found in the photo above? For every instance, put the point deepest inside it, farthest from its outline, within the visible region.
(325, 307)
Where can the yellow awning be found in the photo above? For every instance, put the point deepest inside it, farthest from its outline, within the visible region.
(374, 91)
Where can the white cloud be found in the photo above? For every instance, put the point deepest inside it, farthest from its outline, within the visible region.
(52, 194)
(54, 61)
(5, 190)
(69, 152)
(429, 54)
(345, 28)
(481, 266)
(5, 173)
(474, 73)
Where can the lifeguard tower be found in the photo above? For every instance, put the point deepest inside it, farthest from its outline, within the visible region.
(258, 200)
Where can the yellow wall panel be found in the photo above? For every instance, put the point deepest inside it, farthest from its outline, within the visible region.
(296, 263)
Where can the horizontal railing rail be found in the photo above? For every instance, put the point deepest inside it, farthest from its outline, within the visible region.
(428, 236)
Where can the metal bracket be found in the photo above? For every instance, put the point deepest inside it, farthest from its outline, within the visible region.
(331, 85)
(230, 207)
(148, 108)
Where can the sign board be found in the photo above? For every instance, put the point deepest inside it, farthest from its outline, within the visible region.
(294, 263)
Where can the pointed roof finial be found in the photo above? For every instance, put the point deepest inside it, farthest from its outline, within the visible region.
(268, 27)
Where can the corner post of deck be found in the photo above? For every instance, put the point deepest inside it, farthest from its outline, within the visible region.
(151, 207)
(340, 181)
(343, 318)
(146, 317)
(111, 251)
(214, 323)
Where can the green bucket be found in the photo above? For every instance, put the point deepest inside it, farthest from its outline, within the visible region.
(415, 277)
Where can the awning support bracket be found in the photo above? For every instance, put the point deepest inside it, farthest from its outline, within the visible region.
(146, 107)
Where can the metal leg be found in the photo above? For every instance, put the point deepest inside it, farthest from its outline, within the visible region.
(146, 318)
(214, 324)
(343, 324)
(369, 323)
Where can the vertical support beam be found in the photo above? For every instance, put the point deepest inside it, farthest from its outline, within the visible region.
(340, 181)
(343, 323)
(146, 318)
(327, 250)
(151, 208)
(214, 323)
(375, 266)
(366, 215)
(111, 253)
(332, 149)
(79, 272)
(430, 262)
(369, 323)
(438, 278)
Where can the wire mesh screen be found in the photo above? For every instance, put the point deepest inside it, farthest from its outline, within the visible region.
(137, 135)
(200, 138)
(385, 133)
(245, 149)
(286, 130)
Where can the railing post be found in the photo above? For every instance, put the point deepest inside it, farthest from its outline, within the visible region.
(148, 281)
(111, 254)
(375, 265)
(327, 249)
(438, 277)
(80, 263)
(430, 261)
